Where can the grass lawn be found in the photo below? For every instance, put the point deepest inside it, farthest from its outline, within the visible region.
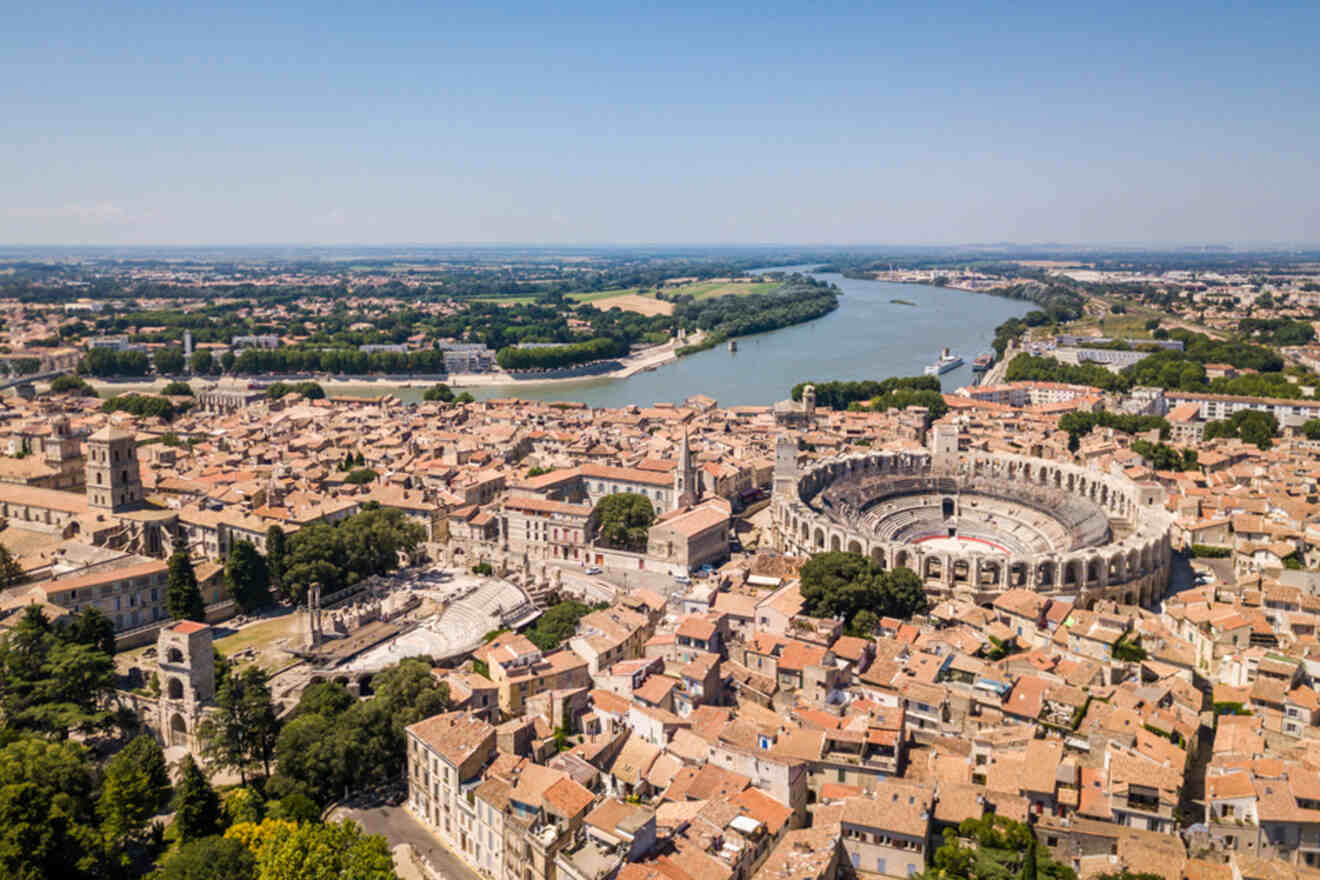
(262, 637)
(1125, 326)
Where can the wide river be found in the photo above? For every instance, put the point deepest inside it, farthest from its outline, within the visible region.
(867, 337)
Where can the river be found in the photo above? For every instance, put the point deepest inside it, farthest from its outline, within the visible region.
(867, 337)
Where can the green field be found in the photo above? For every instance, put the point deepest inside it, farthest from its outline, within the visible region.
(697, 290)
(505, 300)
(601, 294)
(711, 289)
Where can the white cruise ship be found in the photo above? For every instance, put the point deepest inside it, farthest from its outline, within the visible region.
(945, 363)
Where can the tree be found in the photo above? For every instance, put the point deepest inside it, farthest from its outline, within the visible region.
(10, 571)
(227, 361)
(1311, 428)
(313, 758)
(91, 627)
(211, 858)
(843, 585)
(135, 787)
(275, 549)
(47, 823)
(360, 476)
(50, 683)
(1000, 849)
(557, 623)
(182, 596)
(621, 521)
(177, 389)
(68, 382)
(439, 393)
(201, 362)
(247, 576)
(339, 555)
(168, 360)
(326, 698)
(243, 733)
(287, 850)
(196, 805)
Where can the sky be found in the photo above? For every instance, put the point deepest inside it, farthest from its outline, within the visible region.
(626, 123)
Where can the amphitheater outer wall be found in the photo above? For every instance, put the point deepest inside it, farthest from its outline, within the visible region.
(1133, 569)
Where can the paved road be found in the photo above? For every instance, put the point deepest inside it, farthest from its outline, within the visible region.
(397, 826)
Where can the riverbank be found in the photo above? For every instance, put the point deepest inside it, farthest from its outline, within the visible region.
(362, 386)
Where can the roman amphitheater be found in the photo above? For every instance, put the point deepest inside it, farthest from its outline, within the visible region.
(972, 524)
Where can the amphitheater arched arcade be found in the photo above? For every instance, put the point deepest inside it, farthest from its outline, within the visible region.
(975, 524)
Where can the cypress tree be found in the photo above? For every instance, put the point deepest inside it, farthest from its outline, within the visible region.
(196, 805)
(182, 597)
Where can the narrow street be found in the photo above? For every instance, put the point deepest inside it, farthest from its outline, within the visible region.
(397, 826)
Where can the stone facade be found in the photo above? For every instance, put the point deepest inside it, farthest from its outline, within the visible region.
(1104, 536)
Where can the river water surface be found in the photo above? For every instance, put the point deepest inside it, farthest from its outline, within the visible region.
(867, 337)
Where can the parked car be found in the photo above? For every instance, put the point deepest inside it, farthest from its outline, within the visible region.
(593, 570)
(682, 579)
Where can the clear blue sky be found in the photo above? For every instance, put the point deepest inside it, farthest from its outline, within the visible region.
(392, 122)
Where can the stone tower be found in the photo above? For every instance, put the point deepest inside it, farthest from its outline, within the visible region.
(113, 480)
(944, 443)
(786, 450)
(685, 477)
(809, 402)
(185, 666)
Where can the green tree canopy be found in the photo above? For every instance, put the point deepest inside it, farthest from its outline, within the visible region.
(998, 849)
(621, 521)
(197, 810)
(287, 850)
(210, 858)
(182, 596)
(275, 550)
(247, 576)
(135, 787)
(10, 571)
(839, 584)
(339, 555)
(50, 683)
(47, 822)
(558, 622)
(242, 734)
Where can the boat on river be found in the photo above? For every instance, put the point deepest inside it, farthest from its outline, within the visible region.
(947, 361)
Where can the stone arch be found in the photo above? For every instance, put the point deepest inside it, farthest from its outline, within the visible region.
(178, 731)
(902, 559)
(855, 546)
(834, 543)
(962, 569)
(878, 556)
(1017, 574)
(1117, 570)
(933, 567)
(1071, 572)
(174, 689)
(819, 538)
(173, 655)
(1045, 572)
(1092, 570)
